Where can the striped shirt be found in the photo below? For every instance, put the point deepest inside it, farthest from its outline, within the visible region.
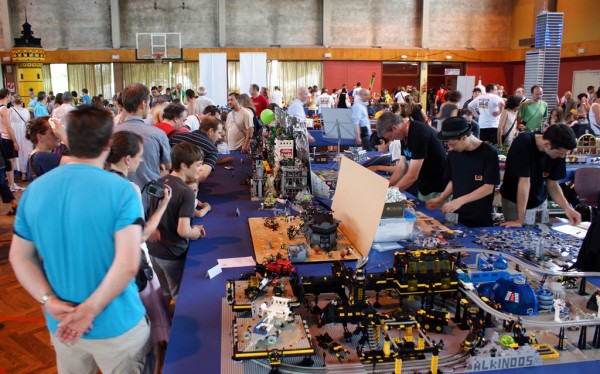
(200, 140)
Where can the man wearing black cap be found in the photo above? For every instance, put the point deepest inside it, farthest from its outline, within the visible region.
(473, 172)
(534, 165)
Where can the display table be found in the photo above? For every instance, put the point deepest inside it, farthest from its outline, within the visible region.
(195, 342)
(321, 141)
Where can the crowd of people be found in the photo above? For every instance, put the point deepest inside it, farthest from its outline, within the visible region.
(137, 159)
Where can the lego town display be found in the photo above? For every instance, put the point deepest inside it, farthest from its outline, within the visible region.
(399, 319)
(289, 240)
(281, 164)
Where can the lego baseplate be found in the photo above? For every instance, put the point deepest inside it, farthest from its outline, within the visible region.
(427, 225)
(452, 358)
(241, 302)
(268, 243)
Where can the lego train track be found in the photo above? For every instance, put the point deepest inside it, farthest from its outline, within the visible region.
(453, 361)
(473, 296)
(526, 264)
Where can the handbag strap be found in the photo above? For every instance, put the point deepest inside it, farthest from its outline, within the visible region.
(18, 114)
(512, 126)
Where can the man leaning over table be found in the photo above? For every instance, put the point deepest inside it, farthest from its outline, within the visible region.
(534, 165)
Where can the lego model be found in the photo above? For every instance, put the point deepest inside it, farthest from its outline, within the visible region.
(321, 158)
(298, 253)
(294, 179)
(321, 231)
(276, 313)
(358, 316)
(588, 144)
(357, 154)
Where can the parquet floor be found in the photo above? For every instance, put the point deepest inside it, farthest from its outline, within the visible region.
(24, 340)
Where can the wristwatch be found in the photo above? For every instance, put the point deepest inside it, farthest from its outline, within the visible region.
(46, 297)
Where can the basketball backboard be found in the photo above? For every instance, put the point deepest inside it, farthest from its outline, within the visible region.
(149, 45)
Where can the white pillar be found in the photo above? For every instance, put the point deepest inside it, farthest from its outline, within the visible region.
(115, 24)
(326, 23)
(221, 21)
(425, 25)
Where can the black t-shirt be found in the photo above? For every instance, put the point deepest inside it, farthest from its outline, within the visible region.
(422, 143)
(469, 170)
(525, 160)
(171, 246)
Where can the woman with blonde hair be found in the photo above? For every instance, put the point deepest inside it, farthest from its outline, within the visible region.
(157, 112)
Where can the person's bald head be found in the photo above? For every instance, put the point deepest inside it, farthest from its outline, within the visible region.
(303, 94)
(364, 95)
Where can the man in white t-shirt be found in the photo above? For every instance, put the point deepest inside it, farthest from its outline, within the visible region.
(324, 100)
(277, 97)
(296, 108)
(61, 112)
(401, 95)
(487, 109)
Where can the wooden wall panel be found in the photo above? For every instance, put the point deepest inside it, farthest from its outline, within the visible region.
(592, 48)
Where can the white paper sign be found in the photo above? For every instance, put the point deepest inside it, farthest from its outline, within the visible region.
(236, 262)
(213, 272)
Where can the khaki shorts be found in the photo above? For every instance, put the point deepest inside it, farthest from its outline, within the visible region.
(125, 353)
(510, 211)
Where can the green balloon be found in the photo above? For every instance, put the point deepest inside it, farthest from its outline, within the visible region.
(267, 116)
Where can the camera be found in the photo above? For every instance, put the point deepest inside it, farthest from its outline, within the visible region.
(156, 189)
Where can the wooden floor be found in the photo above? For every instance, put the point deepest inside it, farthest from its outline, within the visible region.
(24, 339)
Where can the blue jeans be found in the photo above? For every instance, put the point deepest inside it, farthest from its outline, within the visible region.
(235, 151)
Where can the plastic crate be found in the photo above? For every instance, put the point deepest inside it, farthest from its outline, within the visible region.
(395, 229)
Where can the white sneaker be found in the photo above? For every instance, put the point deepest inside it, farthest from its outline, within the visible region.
(16, 188)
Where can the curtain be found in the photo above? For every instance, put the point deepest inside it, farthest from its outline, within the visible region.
(47, 78)
(150, 74)
(292, 75)
(97, 78)
(187, 73)
(233, 76)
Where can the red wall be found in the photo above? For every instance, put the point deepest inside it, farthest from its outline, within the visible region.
(501, 73)
(335, 73)
(395, 75)
(518, 76)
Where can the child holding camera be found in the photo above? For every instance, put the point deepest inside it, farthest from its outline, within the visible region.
(125, 156)
(175, 227)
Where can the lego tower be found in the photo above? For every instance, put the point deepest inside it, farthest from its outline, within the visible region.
(543, 62)
(29, 56)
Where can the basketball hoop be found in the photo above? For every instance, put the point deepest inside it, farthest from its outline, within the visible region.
(157, 58)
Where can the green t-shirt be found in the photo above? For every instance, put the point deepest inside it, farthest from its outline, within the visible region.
(533, 114)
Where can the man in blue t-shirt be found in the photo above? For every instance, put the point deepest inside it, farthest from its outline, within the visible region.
(85, 226)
